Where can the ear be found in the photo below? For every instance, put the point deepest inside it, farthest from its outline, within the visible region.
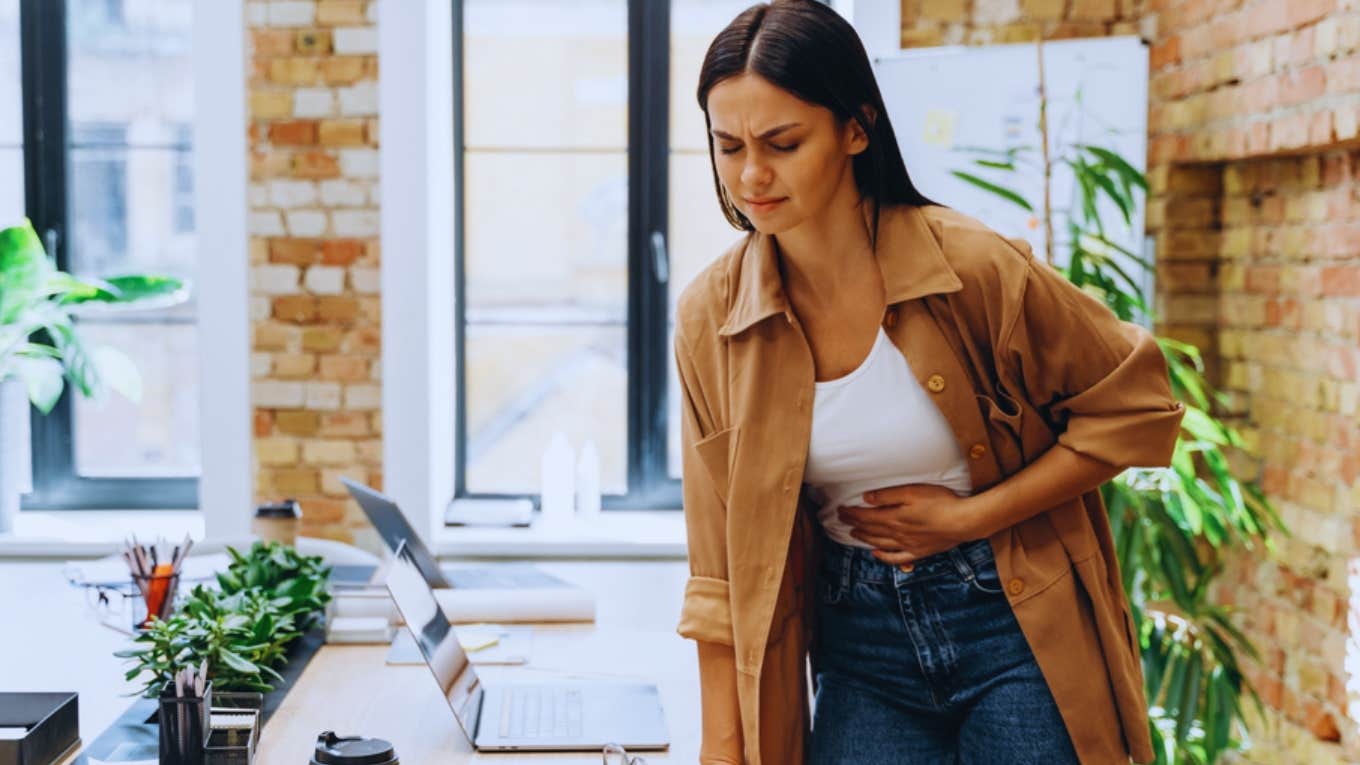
(856, 139)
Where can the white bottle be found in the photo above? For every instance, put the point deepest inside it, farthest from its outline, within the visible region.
(557, 488)
(588, 482)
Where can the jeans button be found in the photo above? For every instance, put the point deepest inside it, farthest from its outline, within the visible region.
(906, 567)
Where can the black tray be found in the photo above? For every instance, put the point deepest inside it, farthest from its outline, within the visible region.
(53, 724)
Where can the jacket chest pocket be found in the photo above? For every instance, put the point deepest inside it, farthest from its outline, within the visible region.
(1005, 419)
(716, 452)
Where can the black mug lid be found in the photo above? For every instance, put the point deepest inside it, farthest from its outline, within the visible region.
(352, 750)
(286, 509)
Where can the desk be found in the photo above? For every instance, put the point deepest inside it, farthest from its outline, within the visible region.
(351, 690)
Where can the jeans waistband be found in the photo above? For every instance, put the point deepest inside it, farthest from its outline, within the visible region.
(848, 563)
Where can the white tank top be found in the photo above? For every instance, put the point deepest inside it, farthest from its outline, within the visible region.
(874, 428)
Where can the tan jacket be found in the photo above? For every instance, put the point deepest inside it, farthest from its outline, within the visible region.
(1017, 359)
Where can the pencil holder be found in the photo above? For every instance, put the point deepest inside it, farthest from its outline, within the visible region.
(184, 726)
(157, 598)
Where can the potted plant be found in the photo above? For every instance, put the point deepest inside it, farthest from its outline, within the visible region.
(41, 348)
(1174, 528)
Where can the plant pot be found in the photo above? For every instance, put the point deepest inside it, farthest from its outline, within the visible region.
(16, 466)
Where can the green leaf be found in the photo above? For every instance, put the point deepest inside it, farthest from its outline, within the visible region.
(119, 372)
(44, 379)
(24, 268)
(1000, 191)
(130, 289)
(238, 663)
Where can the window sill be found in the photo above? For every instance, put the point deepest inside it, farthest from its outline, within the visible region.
(627, 534)
(91, 533)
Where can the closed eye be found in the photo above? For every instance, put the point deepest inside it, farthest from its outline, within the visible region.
(776, 147)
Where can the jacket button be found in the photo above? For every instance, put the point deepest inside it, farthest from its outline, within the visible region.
(1015, 586)
(890, 319)
(977, 451)
(935, 384)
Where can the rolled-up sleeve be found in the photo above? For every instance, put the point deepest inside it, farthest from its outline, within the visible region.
(1100, 382)
(706, 612)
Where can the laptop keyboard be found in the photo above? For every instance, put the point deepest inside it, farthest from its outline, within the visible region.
(541, 712)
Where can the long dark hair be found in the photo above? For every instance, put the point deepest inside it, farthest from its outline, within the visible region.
(807, 49)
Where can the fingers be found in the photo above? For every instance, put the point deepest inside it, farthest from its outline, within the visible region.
(877, 540)
(895, 557)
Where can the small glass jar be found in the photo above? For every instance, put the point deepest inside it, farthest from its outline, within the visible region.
(277, 522)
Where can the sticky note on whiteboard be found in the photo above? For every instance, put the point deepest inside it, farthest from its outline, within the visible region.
(939, 127)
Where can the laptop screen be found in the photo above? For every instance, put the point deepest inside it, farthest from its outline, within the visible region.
(437, 641)
(392, 526)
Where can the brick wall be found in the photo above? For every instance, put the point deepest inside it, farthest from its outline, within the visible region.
(313, 139)
(1253, 142)
(1255, 209)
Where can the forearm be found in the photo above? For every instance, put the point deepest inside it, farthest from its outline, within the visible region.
(1058, 475)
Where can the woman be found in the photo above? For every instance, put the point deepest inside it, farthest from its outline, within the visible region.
(895, 422)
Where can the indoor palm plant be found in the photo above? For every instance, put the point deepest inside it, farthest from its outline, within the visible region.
(41, 350)
(1173, 527)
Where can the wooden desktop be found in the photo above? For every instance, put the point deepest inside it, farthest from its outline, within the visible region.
(351, 689)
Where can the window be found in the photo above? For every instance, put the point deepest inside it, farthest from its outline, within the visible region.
(11, 102)
(107, 93)
(586, 205)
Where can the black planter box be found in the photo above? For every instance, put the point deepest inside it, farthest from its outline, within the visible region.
(52, 722)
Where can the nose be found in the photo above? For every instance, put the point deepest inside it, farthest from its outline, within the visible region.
(755, 174)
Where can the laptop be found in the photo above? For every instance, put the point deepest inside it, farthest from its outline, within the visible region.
(392, 526)
(566, 714)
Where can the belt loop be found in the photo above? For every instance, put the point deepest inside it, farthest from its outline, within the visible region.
(848, 555)
(961, 563)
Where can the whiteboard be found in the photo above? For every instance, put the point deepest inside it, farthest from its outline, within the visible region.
(941, 99)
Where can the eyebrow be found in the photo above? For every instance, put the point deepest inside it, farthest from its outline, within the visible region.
(767, 134)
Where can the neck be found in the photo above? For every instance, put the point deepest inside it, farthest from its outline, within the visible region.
(824, 258)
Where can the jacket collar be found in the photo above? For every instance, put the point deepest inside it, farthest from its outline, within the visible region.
(909, 256)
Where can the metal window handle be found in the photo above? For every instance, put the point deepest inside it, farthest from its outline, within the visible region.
(661, 263)
(50, 239)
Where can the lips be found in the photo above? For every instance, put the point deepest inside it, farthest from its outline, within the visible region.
(765, 205)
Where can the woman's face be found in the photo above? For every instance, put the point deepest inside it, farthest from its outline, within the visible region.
(782, 160)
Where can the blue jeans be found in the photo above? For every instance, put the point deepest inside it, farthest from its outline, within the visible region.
(926, 667)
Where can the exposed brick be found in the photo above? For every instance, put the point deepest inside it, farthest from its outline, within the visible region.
(298, 252)
(321, 339)
(337, 309)
(345, 424)
(294, 70)
(313, 42)
(329, 452)
(295, 308)
(340, 12)
(263, 423)
(276, 393)
(298, 422)
(315, 164)
(341, 252)
(342, 133)
(292, 480)
(272, 337)
(270, 104)
(342, 70)
(322, 395)
(293, 132)
(276, 451)
(271, 42)
(318, 511)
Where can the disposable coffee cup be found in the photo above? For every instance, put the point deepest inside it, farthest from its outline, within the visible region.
(352, 750)
(278, 522)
